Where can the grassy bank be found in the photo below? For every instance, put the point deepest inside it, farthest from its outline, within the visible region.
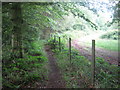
(77, 71)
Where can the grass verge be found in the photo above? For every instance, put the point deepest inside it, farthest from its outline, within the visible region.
(77, 72)
(104, 43)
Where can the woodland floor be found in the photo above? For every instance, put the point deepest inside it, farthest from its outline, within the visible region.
(109, 56)
(54, 78)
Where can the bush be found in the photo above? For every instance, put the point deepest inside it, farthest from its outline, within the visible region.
(24, 70)
(114, 35)
(54, 44)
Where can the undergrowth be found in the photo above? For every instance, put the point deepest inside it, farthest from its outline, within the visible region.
(114, 35)
(22, 71)
(74, 71)
(77, 71)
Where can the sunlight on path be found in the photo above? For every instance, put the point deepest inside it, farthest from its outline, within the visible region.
(86, 50)
(93, 36)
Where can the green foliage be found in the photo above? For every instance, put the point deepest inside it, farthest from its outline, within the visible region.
(72, 70)
(78, 26)
(114, 35)
(24, 70)
(81, 66)
(108, 44)
(54, 43)
(75, 34)
(106, 74)
(28, 29)
(18, 72)
(77, 72)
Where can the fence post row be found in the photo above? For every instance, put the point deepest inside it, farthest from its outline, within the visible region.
(93, 63)
(93, 56)
(70, 49)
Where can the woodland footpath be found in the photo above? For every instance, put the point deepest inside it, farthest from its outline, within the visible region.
(36, 49)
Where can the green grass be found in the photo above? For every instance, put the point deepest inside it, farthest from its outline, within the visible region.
(72, 70)
(108, 44)
(77, 72)
(112, 35)
(104, 39)
(105, 44)
(109, 40)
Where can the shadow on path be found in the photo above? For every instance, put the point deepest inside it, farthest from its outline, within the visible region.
(54, 79)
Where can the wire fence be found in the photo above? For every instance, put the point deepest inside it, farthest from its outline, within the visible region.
(97, 73)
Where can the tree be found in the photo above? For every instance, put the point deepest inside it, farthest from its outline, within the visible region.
(17, 31)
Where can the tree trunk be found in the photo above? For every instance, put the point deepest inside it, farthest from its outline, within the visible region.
(17, 32)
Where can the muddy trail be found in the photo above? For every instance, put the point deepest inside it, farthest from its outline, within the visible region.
(110, 56)
(54, 78)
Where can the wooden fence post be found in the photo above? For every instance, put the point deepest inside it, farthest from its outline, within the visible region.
(70, 49)
(54, 41)
(54, 38)
(59, 44)
(93, 63)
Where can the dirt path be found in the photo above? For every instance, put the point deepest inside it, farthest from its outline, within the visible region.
(55, 78)
(109, 56)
